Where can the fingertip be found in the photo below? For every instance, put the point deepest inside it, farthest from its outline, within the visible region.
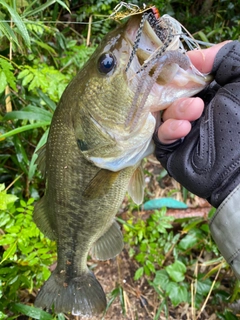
(172, 130)
(203, 59)
(184, 109)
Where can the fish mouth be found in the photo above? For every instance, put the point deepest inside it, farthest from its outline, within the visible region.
(151, 38)
(165, 71)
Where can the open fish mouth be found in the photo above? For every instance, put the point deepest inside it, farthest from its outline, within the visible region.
(157, 43)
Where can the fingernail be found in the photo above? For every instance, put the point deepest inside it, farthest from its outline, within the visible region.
(185, 104)
(174, 125)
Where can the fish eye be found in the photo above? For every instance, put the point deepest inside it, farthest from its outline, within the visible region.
(106, 63)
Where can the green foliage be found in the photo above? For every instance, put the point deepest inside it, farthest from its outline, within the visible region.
(35, 313)
(152, 239)
(39, 54)
(51, 81)
(116, 293)
(6, 75)
(26, 253)
(168, 258)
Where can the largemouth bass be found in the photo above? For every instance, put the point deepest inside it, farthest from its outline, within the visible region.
(100, 132)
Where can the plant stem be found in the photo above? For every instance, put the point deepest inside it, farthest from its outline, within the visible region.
(7, 89)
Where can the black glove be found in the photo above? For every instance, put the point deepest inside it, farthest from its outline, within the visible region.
(207, 161)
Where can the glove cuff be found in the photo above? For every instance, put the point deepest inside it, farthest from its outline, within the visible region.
(225, 229)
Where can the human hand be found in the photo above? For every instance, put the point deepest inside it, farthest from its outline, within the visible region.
(178, 116)
(207, 161)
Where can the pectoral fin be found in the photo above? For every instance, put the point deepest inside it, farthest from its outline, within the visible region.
(109, 245)
(136, 185)
(100, 184)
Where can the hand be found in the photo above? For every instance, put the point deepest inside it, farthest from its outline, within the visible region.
(207, 161)
(178, 116)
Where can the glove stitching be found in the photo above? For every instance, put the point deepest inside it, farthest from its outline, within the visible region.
(208, 131)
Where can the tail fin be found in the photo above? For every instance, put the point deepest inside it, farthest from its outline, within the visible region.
(80, 296)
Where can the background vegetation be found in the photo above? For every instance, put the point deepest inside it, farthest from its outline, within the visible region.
(42, 46)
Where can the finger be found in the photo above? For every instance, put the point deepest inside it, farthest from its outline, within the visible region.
(172, 130)
(203, 59)
(184, 109)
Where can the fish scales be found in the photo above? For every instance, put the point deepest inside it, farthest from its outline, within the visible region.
(112, 110)
(100, 132)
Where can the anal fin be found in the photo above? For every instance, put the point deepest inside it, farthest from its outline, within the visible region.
(108, 245)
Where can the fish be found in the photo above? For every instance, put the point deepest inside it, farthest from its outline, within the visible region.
(100, 132)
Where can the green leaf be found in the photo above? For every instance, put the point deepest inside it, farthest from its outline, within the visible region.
(9, 253)
(193, 223)
(191, 239)
(7, 70)
(45, 46)
(3, 81)
(24, 128)
(8, 32)
(203, 36)
(32, 165)
(161, 279)
(114, 294)
(227, 315)
(20, 153)
(27, 79)
(3, 316)
(21, 28)
(138, 273)
(51, 104)
(23, 73)
(32, 312)
(203, 286)
(4, 219)
(150, 266)
(44, 6)
(6, 240)
(5, 199)
(29, 113)
(176, 271)
(177, 293)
